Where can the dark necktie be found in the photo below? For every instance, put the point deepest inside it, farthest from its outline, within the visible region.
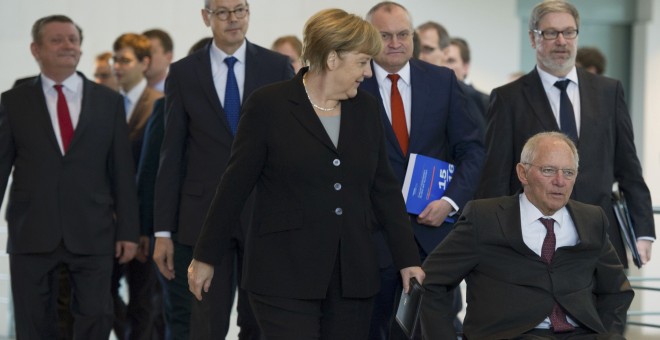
(558, 320)
(566, 113)
(398, 114)
(64, 118)
(232, 97)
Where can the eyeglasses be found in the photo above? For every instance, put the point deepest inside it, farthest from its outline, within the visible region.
(122, 60)
(551, 171)
(403, 35)
(552, 34)
(223, 13)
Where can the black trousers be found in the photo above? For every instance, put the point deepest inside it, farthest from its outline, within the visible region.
(209, 318)
(35, 285)
(334, 317)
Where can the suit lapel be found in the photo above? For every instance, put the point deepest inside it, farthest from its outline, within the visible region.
(42, 119)
(205, 77)
(86, 111)
(420, 101)
(582, 225)
(589, 109)
(535, 94)
(509, 219)
(304, 113)
(142, 111)
(251, 69)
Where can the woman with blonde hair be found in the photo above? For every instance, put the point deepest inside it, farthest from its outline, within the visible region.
(313, 148)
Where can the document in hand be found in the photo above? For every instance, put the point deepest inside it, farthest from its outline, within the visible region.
(426, 180)
(626, 225)
(407, 314)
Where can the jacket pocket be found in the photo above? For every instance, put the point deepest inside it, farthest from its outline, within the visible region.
(280, 221)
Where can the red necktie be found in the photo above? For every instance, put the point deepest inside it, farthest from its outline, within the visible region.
(558, 320)
(398, 115)
(64, 118)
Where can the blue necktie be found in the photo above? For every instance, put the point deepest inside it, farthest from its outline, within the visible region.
(127, 105)
(232, 97)
(566, 113)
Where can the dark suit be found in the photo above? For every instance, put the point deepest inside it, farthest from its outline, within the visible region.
(194, 155)
(442, 128)
(314, 201)
(66, 208)
(142, 318)
(510, 289)
(606, 146)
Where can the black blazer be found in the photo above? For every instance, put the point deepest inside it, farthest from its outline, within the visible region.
(197, 138)
(86, 198)
(314, 201)
(442, 128)
(606, 146)
(510, 289)
(148, 166)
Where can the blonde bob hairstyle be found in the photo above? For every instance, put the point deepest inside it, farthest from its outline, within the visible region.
(334, 30)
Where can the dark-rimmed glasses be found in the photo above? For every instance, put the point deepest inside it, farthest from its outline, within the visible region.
(223, 13)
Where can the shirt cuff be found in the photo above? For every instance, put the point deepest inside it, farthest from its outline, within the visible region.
(453, 205)
(165, 234)
(648, 238)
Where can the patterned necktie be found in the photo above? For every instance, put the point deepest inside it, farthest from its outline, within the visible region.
(232, 97)
(398, 114)
(64, 118)
(558, 320)
(566, 113)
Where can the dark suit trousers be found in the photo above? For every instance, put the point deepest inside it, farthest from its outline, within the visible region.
(332, 318)
(35, 280)
(209, 318)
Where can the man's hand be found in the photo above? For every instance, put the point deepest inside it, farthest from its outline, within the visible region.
(164, 256)
(644, 249)
(125, 251)
(408, 272)
(143, 249)
(200, 275)
(435, 213)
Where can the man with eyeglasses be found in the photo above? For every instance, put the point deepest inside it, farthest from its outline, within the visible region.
(538, 265)
(203, 95)
(557, 96)
(431, 120)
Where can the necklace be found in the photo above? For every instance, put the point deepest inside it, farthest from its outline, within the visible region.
(324, 109)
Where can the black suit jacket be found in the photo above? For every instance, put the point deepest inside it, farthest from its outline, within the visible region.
(148, 166)
(606, 146)
(314, 201)
(442, 128)
(510, 289)
(197, 138)
(86, 198)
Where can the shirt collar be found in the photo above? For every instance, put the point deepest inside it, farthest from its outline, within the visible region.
(134, 94)
(218, 54)
(381, 74)
(72, 84)
(530, 213)
(549, 80)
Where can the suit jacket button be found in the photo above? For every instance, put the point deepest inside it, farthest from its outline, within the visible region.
(336, 162)
(337, 186)
(339, 211)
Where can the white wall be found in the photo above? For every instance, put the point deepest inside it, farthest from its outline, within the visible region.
(103, 21)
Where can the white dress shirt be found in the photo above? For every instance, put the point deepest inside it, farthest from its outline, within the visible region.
(72, 88)
(133, 96)
(219, 70)
(553, 93)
